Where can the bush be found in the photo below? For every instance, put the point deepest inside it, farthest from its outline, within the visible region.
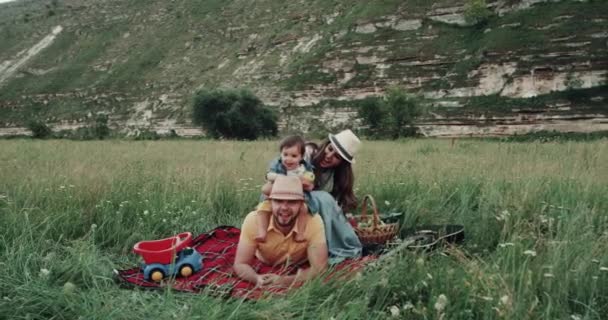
(233, 114)
(403, 110)
(373, 114)
(476, 13)
(100, 128)
(390, 117)
(39, 129)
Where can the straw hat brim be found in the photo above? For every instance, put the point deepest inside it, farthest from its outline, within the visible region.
(340, 149)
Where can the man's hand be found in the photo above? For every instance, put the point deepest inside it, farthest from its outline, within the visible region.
(266, 279)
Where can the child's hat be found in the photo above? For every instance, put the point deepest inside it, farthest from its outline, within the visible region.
(287, 188)
(346, 144)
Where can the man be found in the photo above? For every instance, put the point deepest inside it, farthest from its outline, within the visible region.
(294, 236)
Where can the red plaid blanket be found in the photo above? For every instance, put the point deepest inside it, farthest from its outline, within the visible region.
(218, 248)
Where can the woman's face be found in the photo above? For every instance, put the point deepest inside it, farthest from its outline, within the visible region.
(331, 158)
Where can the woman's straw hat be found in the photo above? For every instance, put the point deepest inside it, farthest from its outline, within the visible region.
(346, 144)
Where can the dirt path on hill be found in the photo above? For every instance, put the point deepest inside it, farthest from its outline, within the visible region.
(9, 67)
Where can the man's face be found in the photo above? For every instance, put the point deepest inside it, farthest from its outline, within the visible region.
(285, 212)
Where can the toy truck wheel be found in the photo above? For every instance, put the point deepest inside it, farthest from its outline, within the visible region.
(157, 275)
(186, 270)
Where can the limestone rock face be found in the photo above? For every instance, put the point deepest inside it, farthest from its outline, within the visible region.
(534, 64)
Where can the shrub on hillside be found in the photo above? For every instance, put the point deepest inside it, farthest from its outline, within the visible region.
(403, 110)
(373, 113)
(39, 129)
(476, 13)
(392, 116)
(100, 128)
(233, 114)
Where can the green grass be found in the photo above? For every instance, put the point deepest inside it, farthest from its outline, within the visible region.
(534, 215)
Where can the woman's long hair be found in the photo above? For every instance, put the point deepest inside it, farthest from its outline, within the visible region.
(344, 179)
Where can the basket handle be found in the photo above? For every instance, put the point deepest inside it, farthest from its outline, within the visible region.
(375, 216)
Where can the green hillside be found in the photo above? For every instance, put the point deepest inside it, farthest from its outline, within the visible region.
(124, 57)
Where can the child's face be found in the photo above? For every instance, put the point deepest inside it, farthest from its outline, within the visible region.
(291, 157)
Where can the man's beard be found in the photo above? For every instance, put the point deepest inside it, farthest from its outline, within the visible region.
(288, 223)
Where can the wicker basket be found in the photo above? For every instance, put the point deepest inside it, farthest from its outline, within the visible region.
(378, 232)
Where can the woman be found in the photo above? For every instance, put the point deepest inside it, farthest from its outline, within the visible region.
(333, 192)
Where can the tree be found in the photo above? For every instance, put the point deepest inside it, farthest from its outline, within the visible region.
(233, 114)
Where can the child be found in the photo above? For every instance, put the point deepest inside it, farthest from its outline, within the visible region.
(290, 163)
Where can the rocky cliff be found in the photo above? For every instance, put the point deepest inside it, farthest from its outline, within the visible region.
(529, 65)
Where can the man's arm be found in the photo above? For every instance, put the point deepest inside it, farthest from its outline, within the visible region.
(244, 256)
(245, 251)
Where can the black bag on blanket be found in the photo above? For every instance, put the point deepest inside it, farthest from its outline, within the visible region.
(427, 237)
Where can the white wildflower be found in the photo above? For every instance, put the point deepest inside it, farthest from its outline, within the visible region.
(69, 288)
(441, 303)
(44, 272)
(383, 282)
(146, 212)
(386, 202)
(575, 317)
(502, 216)
(394, 311)
(408, 305)
(505, 300)
(93, 226)
(548, 275)
(603, 268)
(164, 220)
(531, 253)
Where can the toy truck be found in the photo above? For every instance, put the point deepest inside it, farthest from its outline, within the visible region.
(168, 257)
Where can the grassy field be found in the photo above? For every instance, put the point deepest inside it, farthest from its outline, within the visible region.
(535, 217)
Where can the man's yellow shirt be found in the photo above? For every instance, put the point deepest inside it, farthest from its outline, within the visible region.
(283, 249)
